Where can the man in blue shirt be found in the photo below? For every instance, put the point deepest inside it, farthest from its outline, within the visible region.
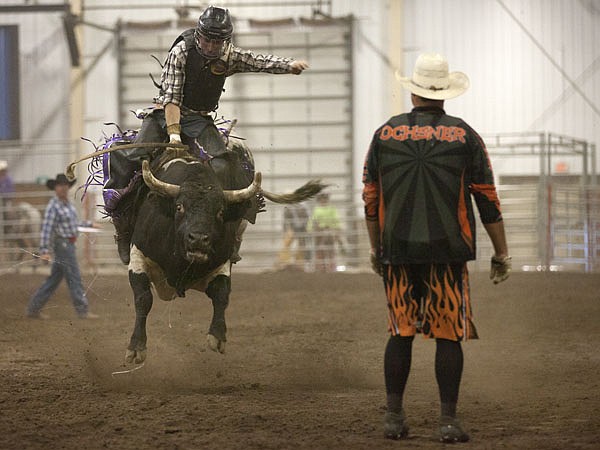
(59, 230)
(7, 186)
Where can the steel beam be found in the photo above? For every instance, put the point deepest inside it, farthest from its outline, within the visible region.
(62, 7)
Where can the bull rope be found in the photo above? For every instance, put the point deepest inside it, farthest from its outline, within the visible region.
(121, 372)
(70, 170)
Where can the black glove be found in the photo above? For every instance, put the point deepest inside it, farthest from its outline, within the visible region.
(500, 269)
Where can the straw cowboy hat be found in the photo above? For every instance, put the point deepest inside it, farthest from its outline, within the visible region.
(61, 178)
(431, 79)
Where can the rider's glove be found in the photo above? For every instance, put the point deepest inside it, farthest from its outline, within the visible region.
(500, 268)
(174, 131)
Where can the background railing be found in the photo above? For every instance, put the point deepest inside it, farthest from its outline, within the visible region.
(549, 227)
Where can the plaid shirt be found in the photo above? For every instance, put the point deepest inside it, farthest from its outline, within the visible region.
(60, 219)
(237, 60)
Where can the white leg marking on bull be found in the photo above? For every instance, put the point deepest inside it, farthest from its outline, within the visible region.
(139, 263)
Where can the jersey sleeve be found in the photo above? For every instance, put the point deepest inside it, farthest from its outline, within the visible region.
(482, 185)
(370, 179)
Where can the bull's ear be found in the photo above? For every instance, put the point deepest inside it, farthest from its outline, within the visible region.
(235, 211)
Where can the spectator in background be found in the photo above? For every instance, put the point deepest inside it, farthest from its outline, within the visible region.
(59, 230)
(295, 221)
(7, 190)
(325, 226)
(7, 187)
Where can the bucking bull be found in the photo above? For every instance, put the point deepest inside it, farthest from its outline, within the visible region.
(187, 215)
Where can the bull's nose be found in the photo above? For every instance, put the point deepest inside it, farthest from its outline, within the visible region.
(198, 239)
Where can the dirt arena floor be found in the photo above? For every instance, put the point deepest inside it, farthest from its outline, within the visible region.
(303, 368)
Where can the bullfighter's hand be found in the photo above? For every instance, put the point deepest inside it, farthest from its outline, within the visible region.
(500, 268)
(376, 263)
(297, 67)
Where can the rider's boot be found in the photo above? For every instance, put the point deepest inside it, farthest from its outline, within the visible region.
(122, 237)
(235, 254)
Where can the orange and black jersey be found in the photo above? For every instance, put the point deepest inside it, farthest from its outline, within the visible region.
(419, 174)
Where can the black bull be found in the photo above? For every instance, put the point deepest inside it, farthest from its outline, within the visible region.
(188, 213)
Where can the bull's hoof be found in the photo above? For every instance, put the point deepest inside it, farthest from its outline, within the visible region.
(216, 345)
(135, 356)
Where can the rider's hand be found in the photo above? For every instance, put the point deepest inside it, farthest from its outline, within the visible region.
(500, 268)
(174, 131)
(296, 67)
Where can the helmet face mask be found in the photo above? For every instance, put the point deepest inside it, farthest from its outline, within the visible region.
(214, 28)
(209, 48)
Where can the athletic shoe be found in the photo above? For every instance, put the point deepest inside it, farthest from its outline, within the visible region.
(394, 426)
(451, 430)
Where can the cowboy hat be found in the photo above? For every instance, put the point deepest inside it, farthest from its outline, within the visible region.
(3, 164)
(61, 178)
(431, 79)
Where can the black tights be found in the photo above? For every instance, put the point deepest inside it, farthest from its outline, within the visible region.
(448, 371)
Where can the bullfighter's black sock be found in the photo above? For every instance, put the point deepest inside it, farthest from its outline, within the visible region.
(448, 373)
(397, 360)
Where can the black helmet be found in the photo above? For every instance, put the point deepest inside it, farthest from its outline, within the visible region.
(215, 23)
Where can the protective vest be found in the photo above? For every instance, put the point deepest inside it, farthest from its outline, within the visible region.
(204, 78)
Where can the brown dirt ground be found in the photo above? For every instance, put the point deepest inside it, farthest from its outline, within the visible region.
(303, 368)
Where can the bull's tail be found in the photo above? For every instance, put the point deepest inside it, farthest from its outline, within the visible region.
(304, 192)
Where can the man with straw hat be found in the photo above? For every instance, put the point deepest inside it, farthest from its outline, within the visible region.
(421, 170)
(60, 230)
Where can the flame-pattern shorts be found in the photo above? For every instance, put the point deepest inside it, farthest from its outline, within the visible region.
(432, 299)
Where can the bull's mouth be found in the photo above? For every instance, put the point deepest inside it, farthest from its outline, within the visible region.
(196, 256)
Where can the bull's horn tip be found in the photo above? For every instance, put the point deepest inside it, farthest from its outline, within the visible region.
(258, 178)
(145, 164)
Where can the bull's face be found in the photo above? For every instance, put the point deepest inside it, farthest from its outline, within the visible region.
(199, 211)
(199, 220)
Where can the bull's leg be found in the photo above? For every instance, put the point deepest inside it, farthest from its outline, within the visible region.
(218, 290)
(140, 283)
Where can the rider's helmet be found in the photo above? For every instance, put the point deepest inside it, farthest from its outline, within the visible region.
(214, 28)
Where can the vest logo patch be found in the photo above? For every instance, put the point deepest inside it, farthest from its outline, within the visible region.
(218, 67)
(416, 133)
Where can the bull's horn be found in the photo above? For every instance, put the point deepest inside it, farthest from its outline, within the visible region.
(171, 190)
(240, 195)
